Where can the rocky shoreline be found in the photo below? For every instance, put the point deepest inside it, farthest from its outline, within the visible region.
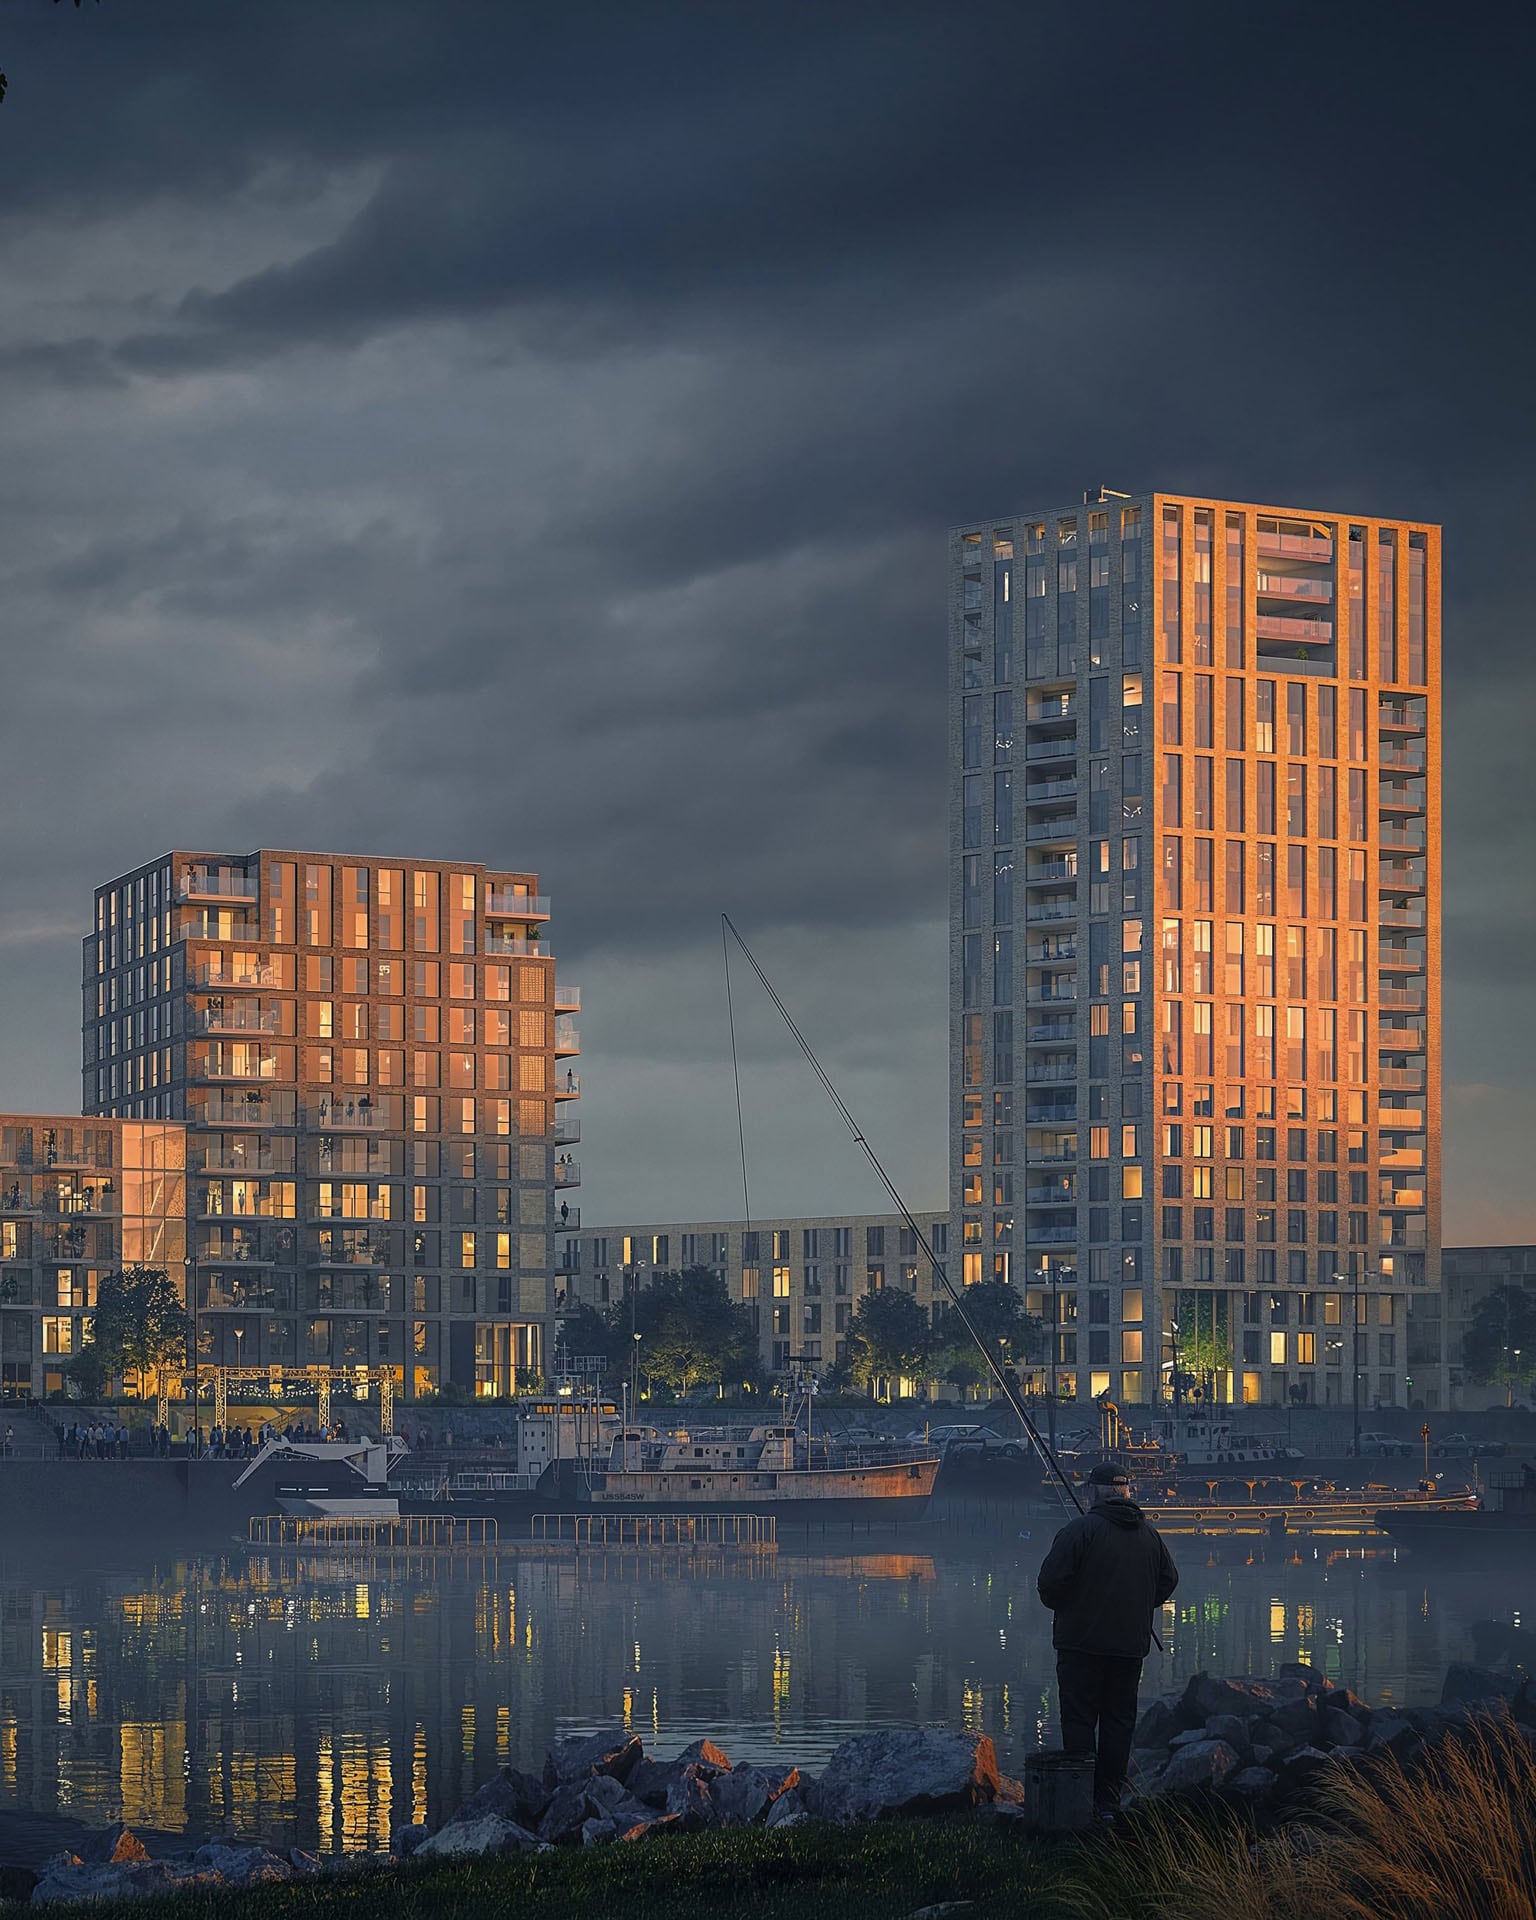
(1251, 1741)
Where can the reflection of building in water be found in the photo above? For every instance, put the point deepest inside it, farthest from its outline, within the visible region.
(321, 1702)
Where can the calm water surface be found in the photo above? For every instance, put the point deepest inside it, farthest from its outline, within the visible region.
(321, 1700)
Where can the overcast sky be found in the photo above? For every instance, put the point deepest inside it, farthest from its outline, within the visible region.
(529, 434)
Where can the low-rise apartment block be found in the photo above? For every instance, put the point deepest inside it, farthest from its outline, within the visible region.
(800, 1278)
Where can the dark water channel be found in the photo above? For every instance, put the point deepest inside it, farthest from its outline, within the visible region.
(321, 1700)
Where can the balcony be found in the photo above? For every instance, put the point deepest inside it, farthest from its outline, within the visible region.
(1050, 1196)
(1404, 997)
(1403, 839)
(1391, 1039)
(567, 1132)
(242, 1018)
(209, 975)
(1050, 1236)
(567, 1173)
(1050, 996)
(223, 884)
(503, 903)
(1409, 919)
(239, 1253)
(1043, 912)
(249, 1110)
(1042, 708)
(1296, 586)
(1062, 1113)
(1064, 828)
(1051, 1076)
(1403, 759)
(1294, 630)
(1050, 1159)
(567, 999)
(1048, 1030)
(1410, 1159)
(264, 1068)
(206, 926)
(1413, 1235)
(1056, 749)
(1051, 949)
(1045, 791)
(215, 1160)
(1401, 1079)
(568, 1085)
(1399, 798)
(567, 1039)
(1400, 716)
(502, 944)
(1050, 870)
(1399, 957)
(1401, 876)
(346, 1114)
(567, 1218)
(1314, 547)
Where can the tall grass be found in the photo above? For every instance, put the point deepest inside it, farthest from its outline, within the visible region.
(1454, 1838)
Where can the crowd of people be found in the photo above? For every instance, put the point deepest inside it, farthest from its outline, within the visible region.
(117, 1441)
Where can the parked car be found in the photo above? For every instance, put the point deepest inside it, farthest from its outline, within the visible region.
(985, 1444)
(1462, 1446)
(1383, 1445)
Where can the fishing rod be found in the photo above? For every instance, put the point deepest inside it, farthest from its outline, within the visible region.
(1009, 1389)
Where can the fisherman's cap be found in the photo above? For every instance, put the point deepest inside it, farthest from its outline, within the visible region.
(1109, 1476)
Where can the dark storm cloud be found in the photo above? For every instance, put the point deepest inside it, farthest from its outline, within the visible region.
(451, 427)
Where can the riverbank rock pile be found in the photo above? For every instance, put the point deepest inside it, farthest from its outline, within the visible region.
(608, 1788)
(593, 1790)
(1263, 1739)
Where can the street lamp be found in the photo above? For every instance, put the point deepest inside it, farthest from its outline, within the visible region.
(1178, 1381)
(634, 1371)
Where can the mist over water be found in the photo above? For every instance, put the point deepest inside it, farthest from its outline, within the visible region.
(320, 1700)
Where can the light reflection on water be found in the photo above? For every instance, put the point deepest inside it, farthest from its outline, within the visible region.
(321, 1701)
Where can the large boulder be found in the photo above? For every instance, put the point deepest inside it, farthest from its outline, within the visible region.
(1205, 1695)
(1254, 1783)
(690, 1797)
(67, 1878)
(114, 1846)
(617, 1754)
(1229, 1727)
(1338, 1728)
(405, 1841)
(598, 1797)
(741, 1797)
(1206, 1763)
(1158, 1724)
(1391, 1732)
(905, 1770)
(704, 1753)
(789, 1809)
(489, 1833)
(238, 1866)
(515, 1796)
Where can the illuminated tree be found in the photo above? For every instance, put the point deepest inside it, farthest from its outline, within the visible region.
(1500, 1343)
(889, 1337)
(139, 1326)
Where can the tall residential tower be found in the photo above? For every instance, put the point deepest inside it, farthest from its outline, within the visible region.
(369, 1057)
(1195, 943)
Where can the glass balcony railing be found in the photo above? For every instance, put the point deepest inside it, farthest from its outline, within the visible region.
(1047, 1030)
(1049, 1197)
(1408, 998)
(1050, 870)
(567, 1132)
(1316, 547)
(1043, 792)
(1405, 759)
(505, 903)
(223, 883)
(1049, 749)
(567, 999)
(567, 1086)
(1046, 950)
(344, 1111)
(1402, 1079)
(510, 943)
(1062, 828)
(567, 1172)
(1051, 1236)
(240, 1018)
(231, 976)
(567, 1037)
(1295, 586)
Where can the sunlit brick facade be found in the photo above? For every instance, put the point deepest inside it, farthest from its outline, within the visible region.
(374, 1066)
(1195, 949)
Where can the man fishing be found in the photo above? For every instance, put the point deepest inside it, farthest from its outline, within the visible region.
(1105, 1573)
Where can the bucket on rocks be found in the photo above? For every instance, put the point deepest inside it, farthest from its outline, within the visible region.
(1058, 1791)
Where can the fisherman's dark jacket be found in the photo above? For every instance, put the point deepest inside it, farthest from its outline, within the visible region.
(1105, 1573)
